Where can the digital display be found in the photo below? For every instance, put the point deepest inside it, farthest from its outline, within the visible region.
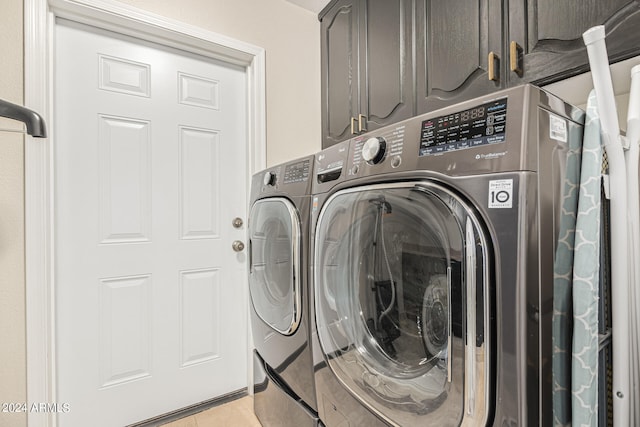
(297, 172)
(481, 125)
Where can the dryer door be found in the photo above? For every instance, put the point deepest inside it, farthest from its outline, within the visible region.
(402, 304)
(274, 268)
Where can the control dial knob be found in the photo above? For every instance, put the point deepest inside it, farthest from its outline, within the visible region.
(373, 150)
(269, 178)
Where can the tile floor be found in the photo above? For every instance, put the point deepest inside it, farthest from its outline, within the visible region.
(238, 413)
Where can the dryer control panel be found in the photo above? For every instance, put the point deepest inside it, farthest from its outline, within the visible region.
(292, 178)
(297, 172)
(293, 172)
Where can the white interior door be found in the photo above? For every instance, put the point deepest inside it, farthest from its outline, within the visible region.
(150, 170)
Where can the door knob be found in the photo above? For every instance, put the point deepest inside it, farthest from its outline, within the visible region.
(237, 246)
(237, 222)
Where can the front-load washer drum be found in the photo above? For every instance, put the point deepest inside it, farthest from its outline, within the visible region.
(274, 272)
(402, 301)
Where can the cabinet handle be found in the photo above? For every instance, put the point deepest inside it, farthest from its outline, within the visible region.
(494, 67)
(516, 58)
(353, 126)
(362, 123)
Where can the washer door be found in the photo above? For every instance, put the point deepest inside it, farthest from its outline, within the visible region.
(274, 268)
(402, 302)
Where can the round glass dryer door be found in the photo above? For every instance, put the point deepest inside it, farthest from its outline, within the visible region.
(274, 272)
(402, 302)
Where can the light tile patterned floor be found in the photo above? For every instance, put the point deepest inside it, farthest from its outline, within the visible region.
(238, 413)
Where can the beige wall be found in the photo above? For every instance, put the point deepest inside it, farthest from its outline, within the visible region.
(291, 38)
(12, 306)
(576, 89)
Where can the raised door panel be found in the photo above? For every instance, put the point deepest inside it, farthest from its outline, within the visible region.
(387, 95)
(340, 81)
(454, 39)
(550, 35)
(199, 183)
(125, 179)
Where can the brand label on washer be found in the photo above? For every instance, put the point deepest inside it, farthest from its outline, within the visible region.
(557, 128)
(500, 193)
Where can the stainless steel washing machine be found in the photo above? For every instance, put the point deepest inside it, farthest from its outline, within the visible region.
(434, 244)
(278, 284)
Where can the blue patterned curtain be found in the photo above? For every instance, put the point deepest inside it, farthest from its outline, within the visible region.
(562, 286)
(584, 371)
(576, 281)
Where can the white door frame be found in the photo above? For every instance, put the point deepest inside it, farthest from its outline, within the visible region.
(39, 22)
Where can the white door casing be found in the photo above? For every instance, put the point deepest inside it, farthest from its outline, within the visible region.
(40, 164)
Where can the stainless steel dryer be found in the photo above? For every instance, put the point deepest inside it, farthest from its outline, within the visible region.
(433, 264)
(280, 316)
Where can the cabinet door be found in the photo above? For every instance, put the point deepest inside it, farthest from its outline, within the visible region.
(454, 39)
(386, 61)
(550, 34)
(340, 74)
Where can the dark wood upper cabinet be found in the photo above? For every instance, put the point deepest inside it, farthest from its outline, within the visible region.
(387, 60)
(386, 66)
(547, 36)
(367, 66)
(340, 77)
(453, 41)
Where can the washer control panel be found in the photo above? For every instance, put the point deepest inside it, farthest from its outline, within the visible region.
(373, 150)
(481, 125)
(476, 136)
(387, 146)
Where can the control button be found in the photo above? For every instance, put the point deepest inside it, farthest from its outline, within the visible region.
(373, 150)
(269, 178)
(395, 161)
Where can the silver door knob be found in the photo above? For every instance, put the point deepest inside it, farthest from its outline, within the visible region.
(237, 246)
(237, 222)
